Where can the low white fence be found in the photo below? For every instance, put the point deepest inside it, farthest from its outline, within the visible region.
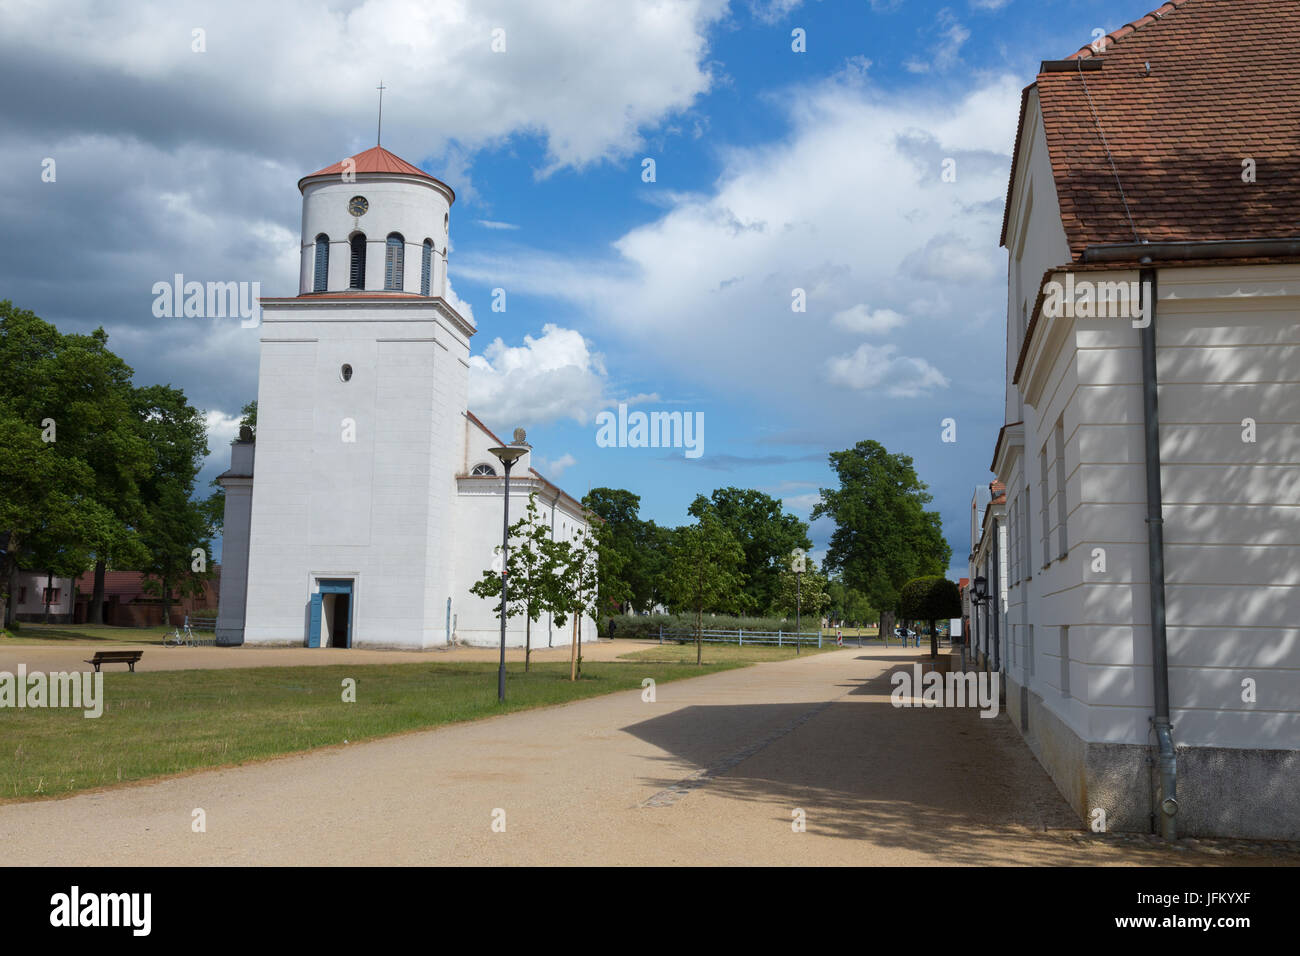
(742, 637)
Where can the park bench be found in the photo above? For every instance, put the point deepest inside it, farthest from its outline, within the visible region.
(116, 657)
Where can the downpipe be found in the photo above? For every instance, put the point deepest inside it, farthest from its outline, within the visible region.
(1167, 760)
(1167, 764)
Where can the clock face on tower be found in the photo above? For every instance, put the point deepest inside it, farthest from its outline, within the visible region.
(357, 205)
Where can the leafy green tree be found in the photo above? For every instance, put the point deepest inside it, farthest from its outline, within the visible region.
(580, 579)
(883, 536)
(655, 548)
(930, 598)
(766, 535)
(617, 508)
(704, 570)
(619, 537)
(533, 568)
(36, 485)
(175, 525)
(805, 594)
(105, 435)
(848, 604)
(77, 394)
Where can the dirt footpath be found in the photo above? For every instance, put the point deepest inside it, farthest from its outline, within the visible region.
(714, 771)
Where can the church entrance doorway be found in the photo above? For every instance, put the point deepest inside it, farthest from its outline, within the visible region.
(331, 614)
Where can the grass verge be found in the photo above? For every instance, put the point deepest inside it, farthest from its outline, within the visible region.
(53, 634)
(167, 722)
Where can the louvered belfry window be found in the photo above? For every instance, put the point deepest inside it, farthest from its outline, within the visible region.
(393, 262)
(321, 282)
(426, 267)
(358, 272)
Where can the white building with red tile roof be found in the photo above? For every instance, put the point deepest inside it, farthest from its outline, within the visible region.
(1150, 644)
(369, 502)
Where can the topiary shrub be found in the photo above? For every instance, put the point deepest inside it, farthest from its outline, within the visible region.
(930, 599)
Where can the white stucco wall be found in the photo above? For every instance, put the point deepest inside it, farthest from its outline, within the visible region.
(1228, 341)
(324, 507)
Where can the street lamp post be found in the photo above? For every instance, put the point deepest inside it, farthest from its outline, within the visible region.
(508, 455)
(797, 565)
(980, 597)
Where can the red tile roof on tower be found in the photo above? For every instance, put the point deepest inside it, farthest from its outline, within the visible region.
(374, 160)
(1223, 87)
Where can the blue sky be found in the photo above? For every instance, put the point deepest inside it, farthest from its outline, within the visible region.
(775, 170)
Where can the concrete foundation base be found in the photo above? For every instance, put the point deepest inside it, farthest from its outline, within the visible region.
(229, 636)
(1222, 792)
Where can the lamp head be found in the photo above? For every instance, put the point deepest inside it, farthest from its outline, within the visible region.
(509, 454)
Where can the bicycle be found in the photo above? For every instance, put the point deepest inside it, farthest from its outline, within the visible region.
(177, 638)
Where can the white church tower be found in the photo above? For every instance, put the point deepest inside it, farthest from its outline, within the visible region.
(375, 504)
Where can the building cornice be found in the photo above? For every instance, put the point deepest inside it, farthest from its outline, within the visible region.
(1011, 441)
(392, 302)
(423, 180)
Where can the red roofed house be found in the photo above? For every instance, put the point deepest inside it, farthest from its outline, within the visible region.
(130, 602)
(1151, 638)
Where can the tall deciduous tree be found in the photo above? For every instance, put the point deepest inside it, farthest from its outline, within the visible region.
(766, 535)
(625, 533)
(704, 570)
(175, 526)
(847, 603)
(76, 394)
(883, 536)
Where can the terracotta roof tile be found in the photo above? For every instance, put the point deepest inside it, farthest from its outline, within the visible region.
(1224, 86)
(374, 160)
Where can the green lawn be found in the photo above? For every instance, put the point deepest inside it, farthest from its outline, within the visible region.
(167, 722)
(722, 653)
(86, 633)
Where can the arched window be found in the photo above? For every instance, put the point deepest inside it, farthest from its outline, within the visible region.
(481, 471)
(394, 256)
(358, 272)
(426, 267)
(321, 282)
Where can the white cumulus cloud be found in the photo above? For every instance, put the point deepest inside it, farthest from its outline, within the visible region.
(554, 468)
(548, 378)
(880, 367)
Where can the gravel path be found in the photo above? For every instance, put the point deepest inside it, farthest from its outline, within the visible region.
(711, 773)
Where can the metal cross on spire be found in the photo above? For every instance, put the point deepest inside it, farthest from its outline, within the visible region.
(379, 131)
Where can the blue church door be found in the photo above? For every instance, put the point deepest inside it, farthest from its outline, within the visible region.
(330, 619)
